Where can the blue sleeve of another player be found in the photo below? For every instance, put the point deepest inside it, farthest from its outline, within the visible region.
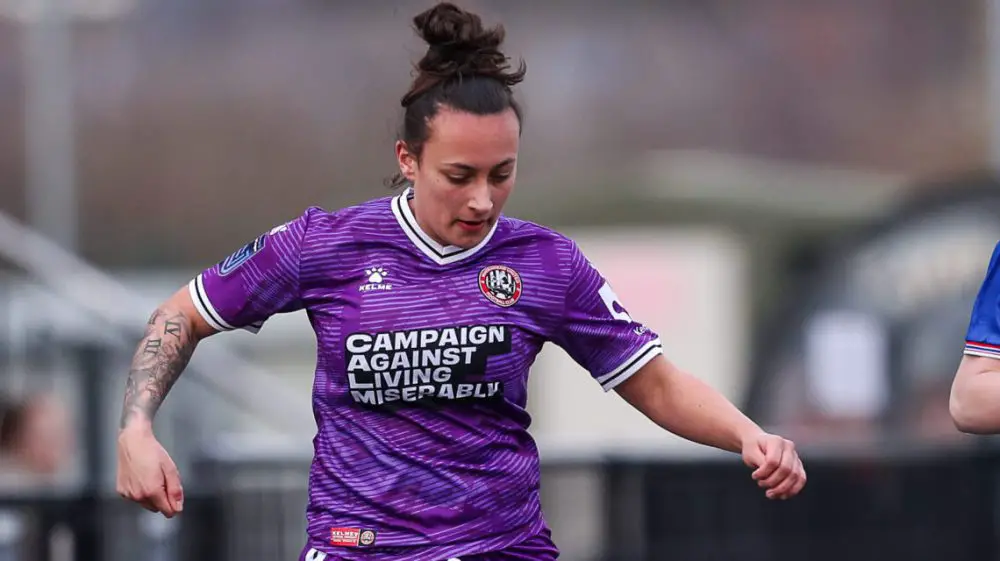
(983, 336)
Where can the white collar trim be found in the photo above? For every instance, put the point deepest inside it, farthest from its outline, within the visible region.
(440, 254)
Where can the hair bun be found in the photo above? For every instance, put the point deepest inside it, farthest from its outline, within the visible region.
(446, 26)
(459, 45)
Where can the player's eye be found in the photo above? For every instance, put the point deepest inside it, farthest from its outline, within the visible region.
(458, 179)
(501, 177)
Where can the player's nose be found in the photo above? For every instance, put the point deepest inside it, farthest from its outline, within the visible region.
(480, 202)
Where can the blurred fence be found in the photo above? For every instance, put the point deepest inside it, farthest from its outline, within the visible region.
(904, 507)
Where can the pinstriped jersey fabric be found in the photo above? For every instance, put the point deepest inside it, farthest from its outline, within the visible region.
(422, 449)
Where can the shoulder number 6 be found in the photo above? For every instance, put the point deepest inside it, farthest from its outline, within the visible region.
(609, 298)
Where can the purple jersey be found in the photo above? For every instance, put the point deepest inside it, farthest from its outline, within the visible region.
(983, 335)
(422, 449)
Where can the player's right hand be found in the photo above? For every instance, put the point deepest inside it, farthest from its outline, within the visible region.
(146, 474)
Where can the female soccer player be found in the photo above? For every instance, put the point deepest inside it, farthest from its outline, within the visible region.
(975, 393)
(429, 308)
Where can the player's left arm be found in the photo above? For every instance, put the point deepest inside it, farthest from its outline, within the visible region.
(690, 408)
(975, 391)
(624, 355)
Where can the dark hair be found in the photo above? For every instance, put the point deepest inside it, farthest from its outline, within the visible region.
(463, 69)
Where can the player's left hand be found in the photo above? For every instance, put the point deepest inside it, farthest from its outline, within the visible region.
(777, 466)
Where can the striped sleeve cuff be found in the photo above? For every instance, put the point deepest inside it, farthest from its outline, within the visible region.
(982, 349)
(205, 307)
(631, 365)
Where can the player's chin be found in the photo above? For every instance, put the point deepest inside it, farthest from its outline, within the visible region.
(467, 234)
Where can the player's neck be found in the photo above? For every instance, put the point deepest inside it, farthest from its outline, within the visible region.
(422, 224)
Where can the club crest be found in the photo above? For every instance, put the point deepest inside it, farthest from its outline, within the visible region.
(501, 285)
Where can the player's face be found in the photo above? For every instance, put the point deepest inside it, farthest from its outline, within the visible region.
(464, 176)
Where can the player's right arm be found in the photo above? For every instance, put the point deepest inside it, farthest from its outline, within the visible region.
(975, 392)
(172, 333)
(257, 281)
(146, 474)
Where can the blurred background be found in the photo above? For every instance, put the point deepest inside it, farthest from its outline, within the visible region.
(799, 196)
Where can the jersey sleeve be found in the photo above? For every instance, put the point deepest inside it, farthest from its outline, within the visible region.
(597, 331)
(257, 281)
(983, 335)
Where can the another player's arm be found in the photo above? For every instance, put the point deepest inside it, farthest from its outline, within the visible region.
(975, 395)
(975, 391)
(172, 334)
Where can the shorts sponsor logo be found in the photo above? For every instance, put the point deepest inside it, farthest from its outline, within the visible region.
(351, 537)
(345, 537)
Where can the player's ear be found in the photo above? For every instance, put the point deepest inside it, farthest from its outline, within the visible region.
(407, 160)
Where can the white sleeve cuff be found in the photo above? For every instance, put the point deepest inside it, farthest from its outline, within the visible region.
(205, 307)
(631, 365)
(982, 349)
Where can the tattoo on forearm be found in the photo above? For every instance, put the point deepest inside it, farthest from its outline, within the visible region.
(157, 364)
(156, 315)
(152, 346)
(171, 327)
